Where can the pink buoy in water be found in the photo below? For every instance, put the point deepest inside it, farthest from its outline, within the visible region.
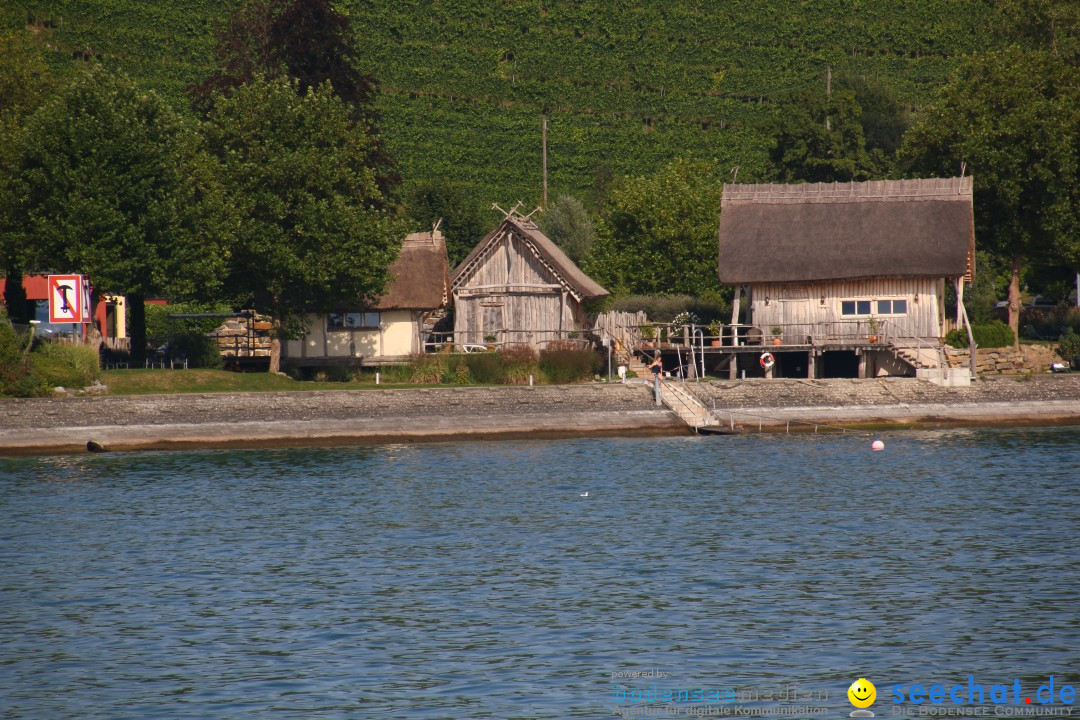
(877, 445)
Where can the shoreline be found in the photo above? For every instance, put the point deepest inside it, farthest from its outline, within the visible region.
(42, 426)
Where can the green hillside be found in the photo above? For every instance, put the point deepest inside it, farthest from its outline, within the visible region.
(627, 86)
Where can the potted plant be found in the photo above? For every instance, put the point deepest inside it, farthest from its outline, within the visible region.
(777, 331)
(490, 340)
(872, 325)
(716, 328)
(648, 334)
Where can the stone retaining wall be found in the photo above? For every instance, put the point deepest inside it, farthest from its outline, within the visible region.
(1004, 361)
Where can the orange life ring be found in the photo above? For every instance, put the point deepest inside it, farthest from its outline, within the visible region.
(766, 360)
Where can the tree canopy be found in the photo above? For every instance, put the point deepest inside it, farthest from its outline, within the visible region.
(569, 226)
(116, 188)
(465, 221)
(25, 83)
(310, 42)
(1013, 116)
(310, 235)
(658, 232)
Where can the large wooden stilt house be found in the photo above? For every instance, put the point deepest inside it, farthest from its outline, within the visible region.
(852, 273)
(517, 286)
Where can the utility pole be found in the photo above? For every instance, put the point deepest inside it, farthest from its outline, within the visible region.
(544, 143)
(828, 94)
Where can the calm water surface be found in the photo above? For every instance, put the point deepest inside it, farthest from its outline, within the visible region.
(472, 581)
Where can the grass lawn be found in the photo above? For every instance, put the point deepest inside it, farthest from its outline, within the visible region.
(150, 382)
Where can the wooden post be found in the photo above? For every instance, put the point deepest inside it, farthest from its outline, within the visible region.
(862, 365)
(733, 368)
(544, 143)
(961, 314)
(811, 365)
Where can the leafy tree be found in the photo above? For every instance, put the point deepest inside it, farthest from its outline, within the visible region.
(1014, 117)
(568, 224)
(1049, 25)
(118, 189)
(658, 232)
(310, 42)
(310, 233)
(25, 83)
(465, 220)
(883, 117)
(821, 139)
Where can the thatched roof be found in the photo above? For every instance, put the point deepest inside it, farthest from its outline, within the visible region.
(847, 231)
(421, 275)
(569, 275)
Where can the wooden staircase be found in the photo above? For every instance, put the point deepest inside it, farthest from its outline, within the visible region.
(683, 403)
(921, 356)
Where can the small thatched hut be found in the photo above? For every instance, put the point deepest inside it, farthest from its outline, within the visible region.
(517, 286)
(391, 328)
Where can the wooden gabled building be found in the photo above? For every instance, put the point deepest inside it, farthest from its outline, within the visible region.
(842, 265)
(517, 286)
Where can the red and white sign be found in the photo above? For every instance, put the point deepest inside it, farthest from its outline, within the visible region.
(67, 303)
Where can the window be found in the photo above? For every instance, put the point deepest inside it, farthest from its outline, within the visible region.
(352, 320)
(854, 308)
(892, 307)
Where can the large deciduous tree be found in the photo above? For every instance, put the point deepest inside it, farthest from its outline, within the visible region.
(25, 83)
(658, 232)
(1014, 117)
(310, 234)
(118, 189)
(310, 42)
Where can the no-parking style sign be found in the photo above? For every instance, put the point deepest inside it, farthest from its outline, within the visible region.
(66, 301)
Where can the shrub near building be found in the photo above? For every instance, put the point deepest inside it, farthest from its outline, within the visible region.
(991, 335)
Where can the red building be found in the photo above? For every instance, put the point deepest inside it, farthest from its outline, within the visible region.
(108, 313)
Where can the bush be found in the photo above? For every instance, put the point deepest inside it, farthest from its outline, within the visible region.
(519, 362)
(664, 308)
(200, 351)
(567, 363)
(485, 368)
(425, 369)
(16, 378)
(1069, 346)
(1049, 323)
(157, 322)
(65, 364)
(991, 335)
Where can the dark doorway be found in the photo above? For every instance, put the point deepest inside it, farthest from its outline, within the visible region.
(791, 364)
(839, 364)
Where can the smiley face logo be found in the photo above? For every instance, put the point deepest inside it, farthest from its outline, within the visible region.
(862, 693)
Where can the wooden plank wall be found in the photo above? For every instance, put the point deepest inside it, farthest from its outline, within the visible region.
(514, 296)
(798, 308)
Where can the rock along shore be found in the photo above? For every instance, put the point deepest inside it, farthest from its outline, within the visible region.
(49, 425)
(144, 422)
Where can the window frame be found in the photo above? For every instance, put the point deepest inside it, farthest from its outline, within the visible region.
(364, 320)
(874, 304)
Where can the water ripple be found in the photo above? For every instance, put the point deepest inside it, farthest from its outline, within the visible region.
(471, 580)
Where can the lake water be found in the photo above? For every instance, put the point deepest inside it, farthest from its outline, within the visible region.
(472, 581)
